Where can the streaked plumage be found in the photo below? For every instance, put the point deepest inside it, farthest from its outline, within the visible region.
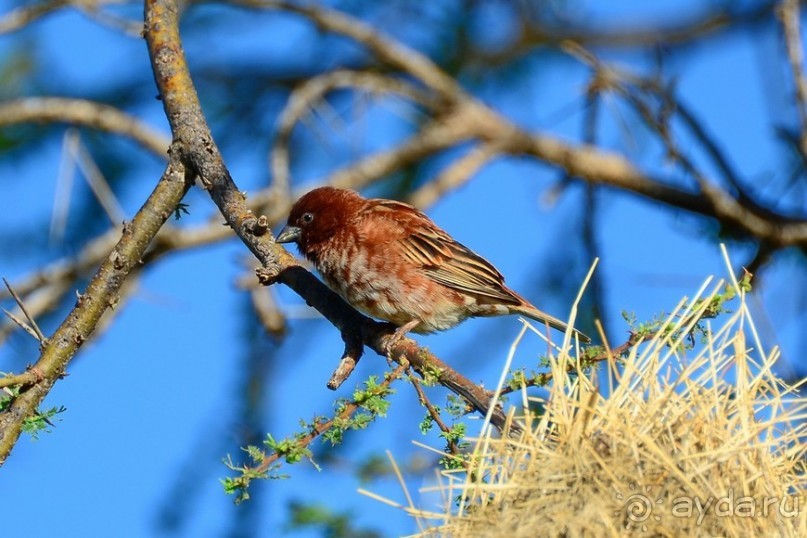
(390, 261)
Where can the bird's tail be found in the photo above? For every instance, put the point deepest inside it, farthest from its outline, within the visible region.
(542, 317)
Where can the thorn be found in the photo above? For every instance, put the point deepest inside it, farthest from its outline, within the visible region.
(97, 182)
(21, 324)
(37, 333)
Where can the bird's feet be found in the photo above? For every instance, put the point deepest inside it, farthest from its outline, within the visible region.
(396, 337)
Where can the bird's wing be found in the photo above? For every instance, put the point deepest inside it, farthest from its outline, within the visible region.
(443, 259)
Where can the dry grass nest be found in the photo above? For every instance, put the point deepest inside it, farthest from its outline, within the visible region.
(676, 441)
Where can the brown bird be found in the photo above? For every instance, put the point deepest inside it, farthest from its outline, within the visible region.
(390, 261)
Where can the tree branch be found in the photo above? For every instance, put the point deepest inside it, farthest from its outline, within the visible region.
(195, 145)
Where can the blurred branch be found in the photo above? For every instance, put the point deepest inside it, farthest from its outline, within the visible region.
(613, 170)
(386, 49)
(86, 113)
(44, 289)
(689, 30)
(434, 137)
(728, 209)
(25, 15)
(303, 99)
(94, 10)
(457, 173)
(22, 16)
(790, 15)
(269, 315)
(710, 145)
(591, 240)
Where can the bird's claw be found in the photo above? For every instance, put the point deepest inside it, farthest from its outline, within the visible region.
(397, 336)
(267, 276)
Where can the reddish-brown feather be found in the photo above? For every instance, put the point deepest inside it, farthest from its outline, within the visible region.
(393, 262)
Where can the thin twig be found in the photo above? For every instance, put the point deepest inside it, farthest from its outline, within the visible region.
(21, 324)
(541, 380)
(433, 413)
(323, 426)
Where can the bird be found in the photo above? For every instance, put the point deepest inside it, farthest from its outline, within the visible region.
(390, 261)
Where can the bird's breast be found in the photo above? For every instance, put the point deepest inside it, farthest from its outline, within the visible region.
(387, 287)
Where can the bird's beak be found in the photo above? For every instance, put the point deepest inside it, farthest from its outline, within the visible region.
(289, 234)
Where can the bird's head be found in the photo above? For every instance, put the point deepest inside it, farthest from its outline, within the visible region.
(319, 215)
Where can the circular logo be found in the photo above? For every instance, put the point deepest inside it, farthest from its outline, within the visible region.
(637, 508)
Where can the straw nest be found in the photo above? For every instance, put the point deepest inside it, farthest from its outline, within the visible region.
(676, 441)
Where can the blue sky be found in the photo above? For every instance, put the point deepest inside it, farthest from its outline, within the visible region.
(150, 403)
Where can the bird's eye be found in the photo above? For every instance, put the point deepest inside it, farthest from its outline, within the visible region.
(307, 218)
